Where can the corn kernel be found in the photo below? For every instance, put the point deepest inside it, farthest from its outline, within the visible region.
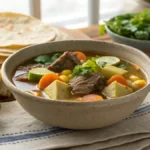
(137, 67)
(70, 76)
(129, 83)
(134, 78)
(139, 84)
(66, 72)
(64, 78)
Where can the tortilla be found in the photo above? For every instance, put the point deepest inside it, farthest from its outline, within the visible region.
(16, 23)
(5, 53)
(18, 30)
(60, 35)
(2, 59)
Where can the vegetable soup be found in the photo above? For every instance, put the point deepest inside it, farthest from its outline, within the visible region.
(79, 76)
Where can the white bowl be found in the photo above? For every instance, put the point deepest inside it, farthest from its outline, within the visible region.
(71, 114)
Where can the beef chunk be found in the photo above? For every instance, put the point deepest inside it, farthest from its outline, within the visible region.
(66, 61)
(83, 85)
(30, 66)
(22, 77)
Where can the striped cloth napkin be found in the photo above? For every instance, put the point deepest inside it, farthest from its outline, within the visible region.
(20, 131)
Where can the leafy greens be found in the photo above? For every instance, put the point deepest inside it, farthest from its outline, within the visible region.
(136, 26)
(45, 59)
(86, 68)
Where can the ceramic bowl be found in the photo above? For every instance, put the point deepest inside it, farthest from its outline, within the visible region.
(140, 44)
(71, 114)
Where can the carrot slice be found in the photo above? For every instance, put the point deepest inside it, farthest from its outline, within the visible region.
(117, 78)
(80, 55)
(90, 98)
(48, 79)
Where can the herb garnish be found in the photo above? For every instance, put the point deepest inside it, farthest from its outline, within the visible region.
(122, 66)
(86, 68)
(80, 70)
(136, 26)
(45, 59)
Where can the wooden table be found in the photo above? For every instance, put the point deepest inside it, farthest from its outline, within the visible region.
(93, 33)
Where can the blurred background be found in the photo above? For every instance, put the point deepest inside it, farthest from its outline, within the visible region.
(73, 13)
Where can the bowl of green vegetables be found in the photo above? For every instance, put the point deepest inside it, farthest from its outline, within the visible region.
(130, 29)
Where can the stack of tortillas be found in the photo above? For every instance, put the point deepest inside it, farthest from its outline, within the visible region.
(18, 31)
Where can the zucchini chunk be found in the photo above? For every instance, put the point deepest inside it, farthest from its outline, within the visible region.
(36, 74)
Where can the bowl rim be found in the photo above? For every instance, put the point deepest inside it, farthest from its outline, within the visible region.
(109, 31)
(111, 101)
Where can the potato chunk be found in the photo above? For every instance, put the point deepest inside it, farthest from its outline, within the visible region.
(109, 71)
(58, 90)
(116, 89)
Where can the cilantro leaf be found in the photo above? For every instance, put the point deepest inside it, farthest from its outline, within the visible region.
(45, 59)
(80, 70)
(55, 56)
(122, 66)
(42, 59)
